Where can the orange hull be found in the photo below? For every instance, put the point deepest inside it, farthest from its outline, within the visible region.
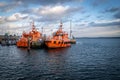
(57, 44)
(22, 44)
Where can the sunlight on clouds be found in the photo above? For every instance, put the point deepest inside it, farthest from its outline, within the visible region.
(88, 19)
(98, 32)
(107, 21)
(53, 10)
(16, 16)
(47, 10)
(2, 4)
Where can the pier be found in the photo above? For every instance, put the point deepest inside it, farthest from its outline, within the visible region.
(8, 39)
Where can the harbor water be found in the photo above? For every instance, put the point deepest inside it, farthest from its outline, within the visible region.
(88, 59)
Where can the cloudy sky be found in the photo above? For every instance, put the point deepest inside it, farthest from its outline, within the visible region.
(89, 18)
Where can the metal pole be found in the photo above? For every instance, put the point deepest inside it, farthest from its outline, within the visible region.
(42, 30)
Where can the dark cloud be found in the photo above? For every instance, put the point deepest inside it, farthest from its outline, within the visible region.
(10, 5)
(75, 9)
(117, 15)
(87, 16)
(13, 4)
(81, 25)
(52, 13)
(98, 2)
(30, 11)
(70, 10)
(115, 23)
(7, 8)
(79, 20)
(113, 9)
(83, 19)
(99, 16)
(47, 2)
(45, 19)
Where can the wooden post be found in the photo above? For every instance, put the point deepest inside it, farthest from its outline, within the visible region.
(28, 44)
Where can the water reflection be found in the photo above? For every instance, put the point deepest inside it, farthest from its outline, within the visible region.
(57, 61)
(89, 60)
(57, 50)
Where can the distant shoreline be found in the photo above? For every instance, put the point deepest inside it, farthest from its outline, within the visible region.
(97, 37)
(1, 36)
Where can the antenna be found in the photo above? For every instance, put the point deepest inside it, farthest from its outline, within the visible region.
(61, 24)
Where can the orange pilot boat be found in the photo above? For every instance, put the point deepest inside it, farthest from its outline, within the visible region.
(23, 41)
(59, 39)
(34, 37)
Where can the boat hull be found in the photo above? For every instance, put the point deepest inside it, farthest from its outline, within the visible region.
(57, 44)
(33, 44)
(22, 44)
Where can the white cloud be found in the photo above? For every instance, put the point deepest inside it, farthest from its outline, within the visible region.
(16, 17)
(12, 23)
(2, 19)
(112, 31)
(107, 21)
(48, 10)
(12, 18)
(100, 28)
(52, 13)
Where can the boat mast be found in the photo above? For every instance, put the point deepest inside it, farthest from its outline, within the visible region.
(33, 26)
(70, 28)
(61, 26)
(42, 29)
